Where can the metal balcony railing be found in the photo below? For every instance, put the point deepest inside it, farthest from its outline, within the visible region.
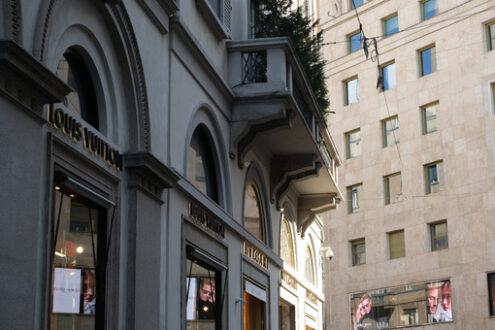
(254, 67)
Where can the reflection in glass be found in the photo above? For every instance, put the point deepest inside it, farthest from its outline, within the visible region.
(412, 304)
(253, 216)
(286, 243)
(77, 226)
(202, 311)
(352, 91)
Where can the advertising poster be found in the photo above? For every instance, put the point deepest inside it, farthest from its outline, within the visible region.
(66, 290)
(404, 305)
(89, 291)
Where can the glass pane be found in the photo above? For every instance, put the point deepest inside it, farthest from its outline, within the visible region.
(286, 245)
(354, 199)
(352, 90)
(394, 188)
(432, 174)
(253, 221)
(392, 131)
(440, 229)
(389, 76)
(491, 36)
(430, 119)
(429, 9)
(356, 3)
(491, 292)
(426, 62)
(215, 5)
(73, 290)
(355, 42)
(308, 266)
(201, 291)
(354, 144)
(66, 74)
(196, 166)
(396, 244)
(392, 25)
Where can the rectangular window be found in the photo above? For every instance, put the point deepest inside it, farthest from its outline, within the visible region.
(203, 287)
(491, 293)
(354, 40)
(429, 114)
(427, 59)
(388, 75)
(353, 143)
(433, 174)
(390, 129)
(490, 36)
(393, 188)
(356, 3)
(396, 244)
(439, 236)
(409, 316)
(358, 252)
(428, 9)
(78, 266)
(391, 25)
(351, 91)
(353, 193)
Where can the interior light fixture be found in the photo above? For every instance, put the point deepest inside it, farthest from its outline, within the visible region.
(59, 254)
(57, 188)
(79, 249)
(72, 195)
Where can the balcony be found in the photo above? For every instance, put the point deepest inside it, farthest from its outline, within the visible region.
(274, 106)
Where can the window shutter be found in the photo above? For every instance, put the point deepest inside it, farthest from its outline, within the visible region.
(227, 15)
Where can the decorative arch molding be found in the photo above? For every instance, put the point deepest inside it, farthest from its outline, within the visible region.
(12, 20)
(288, 221)
(204, 114)
(119, 25)
(254, 174)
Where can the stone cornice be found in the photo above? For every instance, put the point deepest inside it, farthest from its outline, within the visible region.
(26, 80)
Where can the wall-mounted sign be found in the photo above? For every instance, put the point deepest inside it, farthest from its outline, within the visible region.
(71, 127)
(203, 218)
(66, 290)
(289, 280)
(255, 254)
(311, 297)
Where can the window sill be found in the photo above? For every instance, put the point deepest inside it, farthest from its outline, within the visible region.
(212, 20)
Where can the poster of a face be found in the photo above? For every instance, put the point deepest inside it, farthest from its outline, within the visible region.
(89, 291)
(439, 301)
(361, 311)
(201, 299)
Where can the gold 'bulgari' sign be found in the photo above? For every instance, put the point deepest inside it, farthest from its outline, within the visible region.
(255, 254)
(311, 297)
(203, 218)
(289, 280)
(71, 127)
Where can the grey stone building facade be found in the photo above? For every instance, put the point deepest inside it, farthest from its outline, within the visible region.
(152, 155)
(414, 240)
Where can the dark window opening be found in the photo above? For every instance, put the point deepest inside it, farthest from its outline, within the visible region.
(73, 70)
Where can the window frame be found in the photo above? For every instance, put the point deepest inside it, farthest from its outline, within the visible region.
(352, 2)
(423, 9)
(433, 61)
(403, 247)
(434, 237)
(350, 41)
(384, 24)
(491, 293)
(261, 210)
(490, 42)
(428, 184)
(396, 140)
(386, 181)
(346, 90)
(492, 96)
(353, 191)
(354, 245)
(424, 120)
(356, 142)
(382, 72)
(309, 255)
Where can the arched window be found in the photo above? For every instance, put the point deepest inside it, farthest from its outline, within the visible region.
(253, 212)
(309, 267)
(286, 243)
(201, 170)
(73, 70)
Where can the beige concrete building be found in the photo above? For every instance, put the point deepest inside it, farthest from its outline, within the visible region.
(417, 230)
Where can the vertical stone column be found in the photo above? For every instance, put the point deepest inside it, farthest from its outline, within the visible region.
(147, 179)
